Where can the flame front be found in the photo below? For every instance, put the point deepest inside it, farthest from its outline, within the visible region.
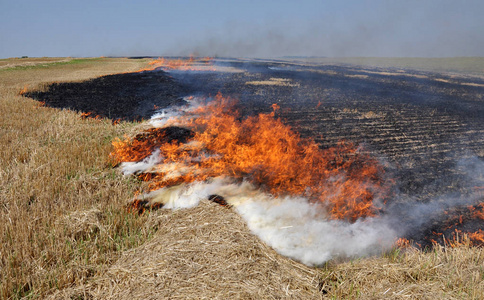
(264, 151)
(190, 64)
(456, 237)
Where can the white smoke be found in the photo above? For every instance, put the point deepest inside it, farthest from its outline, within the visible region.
(169, 116)
(290, 225)
(129, 168)
(298, 229)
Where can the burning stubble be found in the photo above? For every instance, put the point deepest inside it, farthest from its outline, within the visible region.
(307, 203)
(266, 152)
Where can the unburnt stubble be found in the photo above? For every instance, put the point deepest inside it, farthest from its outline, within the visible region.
(54, 165)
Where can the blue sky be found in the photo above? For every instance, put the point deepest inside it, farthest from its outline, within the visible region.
(425, 28)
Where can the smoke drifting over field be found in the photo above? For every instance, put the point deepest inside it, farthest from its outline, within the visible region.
(292, 226)
(296, 226)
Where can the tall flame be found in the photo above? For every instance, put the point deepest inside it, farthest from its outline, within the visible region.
(264, 151)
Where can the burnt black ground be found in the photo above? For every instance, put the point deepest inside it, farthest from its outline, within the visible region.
(130, 96)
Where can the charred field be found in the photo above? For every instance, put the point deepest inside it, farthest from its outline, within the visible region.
(424, 128)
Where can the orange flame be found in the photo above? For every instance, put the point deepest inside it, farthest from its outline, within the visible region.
(460, 238)
(456, 239)
(477, 211)
(403, 243)
(269, 154)
(190, 64)
(477, 237)
(90, 115)
(24, 90)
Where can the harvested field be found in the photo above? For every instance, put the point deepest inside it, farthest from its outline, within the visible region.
(61, 205)
(427, 132)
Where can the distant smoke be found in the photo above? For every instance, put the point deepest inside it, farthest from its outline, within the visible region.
(400, 29)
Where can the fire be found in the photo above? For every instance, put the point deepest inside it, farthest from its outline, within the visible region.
(477, 237)
(459, 238)
(477, 211)
(214, 141)
(24, 90)
(190, 64)
(172, 64)
(403, 243)
(91, 115)
(460, 226)
(264, 151)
